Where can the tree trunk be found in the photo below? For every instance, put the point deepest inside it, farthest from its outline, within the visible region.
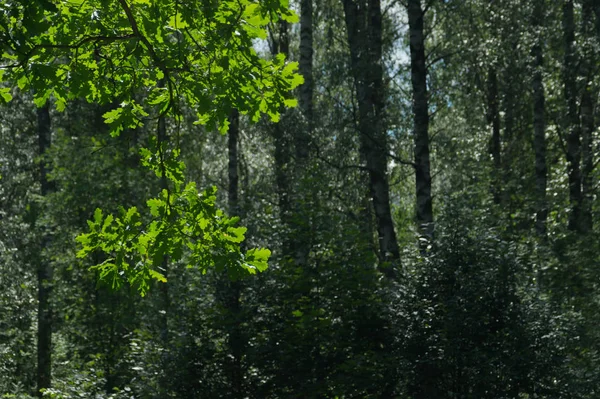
(303, 192)
(509, 189)
(44, 269)
(164, 287)
(421, 119)
(573, 131)
(588, 124)
(363, 25)
(232, 146)
(282, 152)
(539, 126)
(596, 7)
(305, 69)
(234, 288)
(587, 130)
(493, 118)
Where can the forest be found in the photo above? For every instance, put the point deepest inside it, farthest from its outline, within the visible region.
(255, 199)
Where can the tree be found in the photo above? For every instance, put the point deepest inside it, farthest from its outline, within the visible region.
(539, 120)
(130, 45)
(573, 133)
(364, 30)
(505, 304)
(416, 15)
(44, 268)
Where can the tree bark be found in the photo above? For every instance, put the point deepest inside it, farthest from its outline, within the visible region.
(303, 192)
(509, 139)
(573, 130)
(421, 119)
(587, 167)
(164, 287)
(539, 126)
(363, 26)
(44, 268)
(234, 288)
(282, 153)
(306, 70)
(588, 124)
(596, 8)
(493, 119)
(233, 168)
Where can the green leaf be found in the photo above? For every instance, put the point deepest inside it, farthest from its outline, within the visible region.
(156, 205)
(157, 276)
(291, 102)
(5, 94)
(113, 119)
(258, 258)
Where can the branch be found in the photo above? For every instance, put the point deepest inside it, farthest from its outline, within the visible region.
(138, 34)
(84, 40)
(400, 160)
(439, 58)
(334, 165)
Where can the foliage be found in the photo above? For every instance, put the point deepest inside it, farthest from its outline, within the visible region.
(183, 218)
(178, 53)
(479, 329)
(137, 91)
(182, 54)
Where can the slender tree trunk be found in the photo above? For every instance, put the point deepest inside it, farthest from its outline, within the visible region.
(573, 130)
(596, 8)
(303, 192)
(164, 287)
(587, 167)
(234, 288)
(510, 140)
(539, 127)
(363, 25)
(493, 119)
(282, 153)
(306, 70)
(44, 269)
(233, 168)
(421, 118)
(588, 124)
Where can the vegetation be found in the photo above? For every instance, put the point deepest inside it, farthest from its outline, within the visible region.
(334, 199)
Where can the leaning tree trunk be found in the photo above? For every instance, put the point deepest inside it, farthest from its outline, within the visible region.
(573, 131)
(44, 268)
(421, 118)
(539, 126)
(363, 25)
